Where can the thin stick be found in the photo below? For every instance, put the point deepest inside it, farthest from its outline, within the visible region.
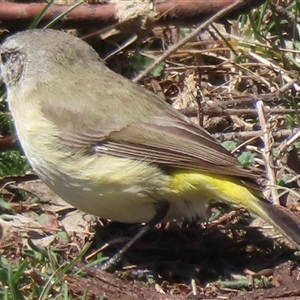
(182, 42)
(267, 151)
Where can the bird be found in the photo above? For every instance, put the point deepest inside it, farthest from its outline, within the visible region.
(114, 149)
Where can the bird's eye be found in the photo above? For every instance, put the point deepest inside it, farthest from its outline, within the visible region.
(12, 64)
(5, 57)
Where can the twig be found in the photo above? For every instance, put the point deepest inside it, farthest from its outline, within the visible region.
(275, 68)
(245, 135)
(245, 99)
(218, 110)
(289, 142)
(182, 42)
(17, 15)
(9, 142)
(267, 152)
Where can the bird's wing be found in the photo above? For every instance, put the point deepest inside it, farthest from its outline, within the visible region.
(172, 143)
(147, 130)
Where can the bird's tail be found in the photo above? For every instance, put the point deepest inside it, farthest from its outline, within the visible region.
(281, 218)
(196, 186)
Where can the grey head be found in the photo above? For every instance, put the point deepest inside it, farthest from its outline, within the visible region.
(38, 53)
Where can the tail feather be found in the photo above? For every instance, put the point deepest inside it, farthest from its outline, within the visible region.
(282, 219)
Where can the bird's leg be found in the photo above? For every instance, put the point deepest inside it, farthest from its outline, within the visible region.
(161, 210)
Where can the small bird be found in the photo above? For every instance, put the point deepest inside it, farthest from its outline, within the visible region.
(114, 149)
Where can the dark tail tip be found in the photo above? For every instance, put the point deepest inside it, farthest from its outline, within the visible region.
(282, 219)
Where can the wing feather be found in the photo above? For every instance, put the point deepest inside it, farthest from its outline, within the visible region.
(177, 145)
(148, 129)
